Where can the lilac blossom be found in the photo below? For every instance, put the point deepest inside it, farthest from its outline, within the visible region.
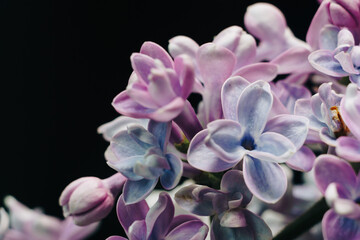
(231, 219)
(4, 222)
(348, 147)
(285, 95)
(232, 53)
(267, 23)
(246, 134)
(158, 87)
(342, 61)
(339, 13)
(338, 182)
(90, 199)
(141, 155)
(29, 224)
(158, 222)
(322, 109)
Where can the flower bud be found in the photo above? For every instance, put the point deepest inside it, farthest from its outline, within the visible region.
(344, 13)
(90, 199)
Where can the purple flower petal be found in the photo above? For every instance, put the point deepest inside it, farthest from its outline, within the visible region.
(170, 178)
(323, 61)
(182, 45)
(256, 229)
(350, 109)
(184, 68)
(161, 88)
(224, 137)
(192, 230)
(169, 111)
(159, 217)
(302, 160)
(135, 191)
(228, 185)
(137, 230)
(273, 147)
(129, 213)
(344, 58)
(348, 148)
(180, 219)
(336, 227)
(253, 108)
(265, 21)
(230, 93)
(327, 137)
(266, 180)
(216, 65)
(204, 158)
(197, 199)
(258, 71)
(155, 51)
(293, 60)
(233, 218)
(328, 37)
(302, 108)
(329, 168)
(320, 19)
(125, 105)
(142, 65)
(161, 131)
(110, 129)
(295, 128)
(243, 45)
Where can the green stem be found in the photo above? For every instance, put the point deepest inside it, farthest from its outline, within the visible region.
(304, 222)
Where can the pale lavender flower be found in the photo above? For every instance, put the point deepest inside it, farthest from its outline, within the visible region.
(246, 134)
(90, 199)
(29, 224)
(141, 155)
(343, 61)
(267, 23)
(231, 219)
(322, 109)
(285, 96)
(231, 53)
(158, 222)
(348, 147)
(340, 13)
(340, 185)
(158, 87)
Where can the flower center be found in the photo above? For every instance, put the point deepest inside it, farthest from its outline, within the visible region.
(248, 142)
(337, 124)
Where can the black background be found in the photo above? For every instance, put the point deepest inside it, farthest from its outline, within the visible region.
(62, 63)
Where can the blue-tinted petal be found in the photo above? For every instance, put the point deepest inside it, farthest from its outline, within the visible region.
(230, 93)
(135, 191)
(171, 177)
(129, 213)
(302, 160)
(273, 147)
(323, 61)
(233, 182)
(161, 131)
(204, 158)
(253, 108)
(295, 128)
(159, 217)
(197, 199)
(191, 230)
(266, 180)
(336, 227)
(137, 230)
(224, 138)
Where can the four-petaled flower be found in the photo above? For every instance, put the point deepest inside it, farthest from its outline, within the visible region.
(247, 134)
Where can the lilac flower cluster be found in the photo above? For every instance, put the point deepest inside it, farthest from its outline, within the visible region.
(240, 146)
